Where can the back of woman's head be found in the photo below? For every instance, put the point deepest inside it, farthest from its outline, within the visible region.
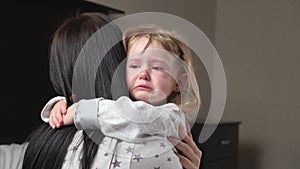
(48, 147)
(78, 48)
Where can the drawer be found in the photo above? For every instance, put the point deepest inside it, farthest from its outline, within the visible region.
(230, 163)
(222, 144)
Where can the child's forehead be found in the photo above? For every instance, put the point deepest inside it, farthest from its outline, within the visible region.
(149, 58)
(154, 52)
(154, 55)
(140, 43)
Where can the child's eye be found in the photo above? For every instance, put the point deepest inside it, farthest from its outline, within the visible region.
(157, 68)
(133, 66)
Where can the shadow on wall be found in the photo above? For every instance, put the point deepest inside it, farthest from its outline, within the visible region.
(249, 156)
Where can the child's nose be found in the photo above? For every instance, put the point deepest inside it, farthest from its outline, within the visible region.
(144, 74)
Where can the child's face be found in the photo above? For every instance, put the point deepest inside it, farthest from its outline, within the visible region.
(150, 74)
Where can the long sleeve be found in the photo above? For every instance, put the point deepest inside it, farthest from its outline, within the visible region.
(11, 156)
(129, 121)
(45, 113)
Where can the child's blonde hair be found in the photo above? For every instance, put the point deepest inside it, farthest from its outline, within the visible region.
(188, 99)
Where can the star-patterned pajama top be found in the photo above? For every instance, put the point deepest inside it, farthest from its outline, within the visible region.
(135, 134)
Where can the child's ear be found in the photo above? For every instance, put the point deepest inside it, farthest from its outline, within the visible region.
(181, 82)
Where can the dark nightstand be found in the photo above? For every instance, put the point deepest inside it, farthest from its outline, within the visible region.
(220, 150)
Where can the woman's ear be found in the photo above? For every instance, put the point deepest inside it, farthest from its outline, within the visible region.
(181, 82)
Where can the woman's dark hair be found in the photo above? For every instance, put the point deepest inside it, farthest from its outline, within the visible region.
(47, 147)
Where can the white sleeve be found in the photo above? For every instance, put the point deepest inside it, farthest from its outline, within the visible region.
(129, 121)
(11, 156)
(45, 113)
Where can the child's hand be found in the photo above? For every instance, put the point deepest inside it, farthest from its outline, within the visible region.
(56, 114)
(68, 118)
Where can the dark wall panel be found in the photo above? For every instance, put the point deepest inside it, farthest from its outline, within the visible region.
(26, 29)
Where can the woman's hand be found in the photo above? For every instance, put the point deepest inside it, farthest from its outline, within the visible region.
(190, 154)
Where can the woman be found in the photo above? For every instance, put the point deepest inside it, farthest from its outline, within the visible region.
(48, 148)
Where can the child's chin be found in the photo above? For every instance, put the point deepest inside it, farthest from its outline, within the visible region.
(151, 98)
(157, 97)
(142, 97)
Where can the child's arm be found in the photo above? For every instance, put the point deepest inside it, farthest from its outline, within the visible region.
(11, 156)
(45, 113)
(127, 120)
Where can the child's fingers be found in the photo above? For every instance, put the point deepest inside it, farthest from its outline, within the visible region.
(56, 114)
(69, 117)
(52, 125)
(54, 121)
(59, 116)
(63, 107)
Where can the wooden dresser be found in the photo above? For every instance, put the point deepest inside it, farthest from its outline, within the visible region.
(220, 150)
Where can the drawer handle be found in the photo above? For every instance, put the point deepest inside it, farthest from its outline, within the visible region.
(225, 142)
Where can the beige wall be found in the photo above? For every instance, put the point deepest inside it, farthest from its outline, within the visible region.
(259, 44)
(201, 15)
